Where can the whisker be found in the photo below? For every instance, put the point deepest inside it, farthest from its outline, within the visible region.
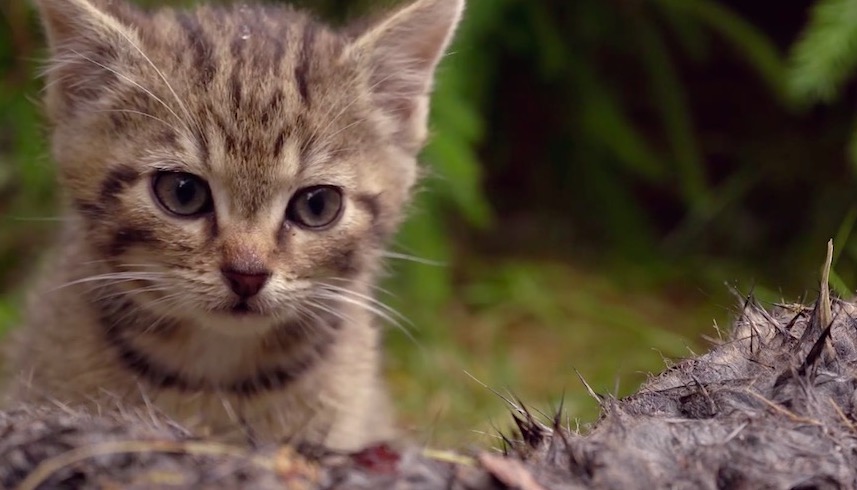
(167, 299)
(163, 77)
(350, 104)
(133, 82)
(37, 218)
(369, 284)
(307, 313)
(348, 126)
(369, 299)
(113, 276)
(369, 308)
(329, 310)
(141, 113)
(413, 258)
(133, 292)
(315, 134)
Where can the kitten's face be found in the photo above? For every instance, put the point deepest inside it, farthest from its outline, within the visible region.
(240, 165)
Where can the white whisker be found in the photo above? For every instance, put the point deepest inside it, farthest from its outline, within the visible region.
(163, 77)
(413, 258)
(38, 218)
(133, 82)
(114, 278)
(368, 284)
(348, 126)
(315, 134)
(329, 310)
(144, 114)
(133, 292)
(369, 299)
(380, 313)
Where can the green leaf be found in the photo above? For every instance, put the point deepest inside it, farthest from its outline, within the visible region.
(826, 55)
(750, 42)
(852, 148)
(839, 285)
(843, 234)
(688, 35)
(459, 179)
(605, 123)
(671, 101)
(424, 288)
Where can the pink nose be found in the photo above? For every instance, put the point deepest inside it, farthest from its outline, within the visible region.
(245, 284)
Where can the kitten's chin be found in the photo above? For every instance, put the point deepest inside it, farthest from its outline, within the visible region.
(241, 320)
(237, 323)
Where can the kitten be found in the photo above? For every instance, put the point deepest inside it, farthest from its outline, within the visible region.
(232, 175)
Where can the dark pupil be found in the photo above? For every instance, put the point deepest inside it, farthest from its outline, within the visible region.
(316, 203)
(185, 191)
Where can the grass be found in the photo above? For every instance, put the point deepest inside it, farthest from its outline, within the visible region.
(522, 329)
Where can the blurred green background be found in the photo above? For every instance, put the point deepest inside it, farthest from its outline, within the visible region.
(602, 172)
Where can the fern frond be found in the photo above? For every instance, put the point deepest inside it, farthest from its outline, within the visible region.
(826, 55)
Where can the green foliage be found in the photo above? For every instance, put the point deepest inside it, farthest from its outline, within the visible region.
(453, 183)
(750, 43)
(612, 152)
(826, 56)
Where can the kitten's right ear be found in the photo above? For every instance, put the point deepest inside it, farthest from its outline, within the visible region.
(401, 53)
(86, 39)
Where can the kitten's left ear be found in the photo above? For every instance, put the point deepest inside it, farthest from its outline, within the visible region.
(89, 41)
(401, 53)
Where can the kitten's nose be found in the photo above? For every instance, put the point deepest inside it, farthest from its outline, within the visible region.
(245, 284)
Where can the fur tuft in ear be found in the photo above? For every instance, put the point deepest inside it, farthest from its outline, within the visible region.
(401, 52)
(86, 39)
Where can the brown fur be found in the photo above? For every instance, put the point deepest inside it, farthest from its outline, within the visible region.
(259, 102)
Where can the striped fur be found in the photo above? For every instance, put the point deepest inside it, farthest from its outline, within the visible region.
(259, 102)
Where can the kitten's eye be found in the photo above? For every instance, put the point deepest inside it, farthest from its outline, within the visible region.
(315, 207)
(182, 194)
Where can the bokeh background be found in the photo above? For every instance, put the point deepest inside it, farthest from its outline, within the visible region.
(602, 173)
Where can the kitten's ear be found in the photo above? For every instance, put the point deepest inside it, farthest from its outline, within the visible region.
(86, 39)
(402, 51)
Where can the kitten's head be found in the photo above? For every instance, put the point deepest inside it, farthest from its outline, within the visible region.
(238, 160)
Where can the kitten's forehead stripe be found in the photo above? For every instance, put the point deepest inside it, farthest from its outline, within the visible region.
(229, 139)
(168, 138)
(269, 48)
(272, 109)
(201, 46)
(303, 66)
(278, 144)
(235, 89)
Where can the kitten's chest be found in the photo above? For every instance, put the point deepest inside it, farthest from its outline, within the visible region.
(284, 415)
(236, 389)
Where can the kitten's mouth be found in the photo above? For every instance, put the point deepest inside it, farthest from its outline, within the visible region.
(243, 309)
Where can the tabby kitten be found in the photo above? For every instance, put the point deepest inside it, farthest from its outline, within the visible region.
(232, 175)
